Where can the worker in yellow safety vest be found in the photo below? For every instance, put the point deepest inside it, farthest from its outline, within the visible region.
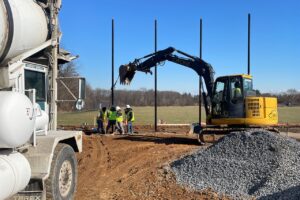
(101, 120)
(237, 91)
(129, 119)
(112, 118)
(120, 120)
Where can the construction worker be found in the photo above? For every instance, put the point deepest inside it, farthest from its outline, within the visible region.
(237, 91)
(129, 119)
(101, 119)
(119, 125)
(112, 117)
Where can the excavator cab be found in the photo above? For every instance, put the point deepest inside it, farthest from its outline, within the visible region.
(229, 94)
(235, 102)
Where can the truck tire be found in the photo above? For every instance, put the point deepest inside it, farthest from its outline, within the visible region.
(61, 184)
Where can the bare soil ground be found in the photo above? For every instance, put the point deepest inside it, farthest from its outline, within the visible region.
(134, 167)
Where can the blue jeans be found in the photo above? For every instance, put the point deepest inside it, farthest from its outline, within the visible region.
(111, 124)
(130, 127)
(100, 127)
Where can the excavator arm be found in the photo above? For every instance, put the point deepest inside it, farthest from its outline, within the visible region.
(145, 63)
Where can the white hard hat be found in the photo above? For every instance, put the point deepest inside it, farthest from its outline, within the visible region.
(127, 106)
(118, 108)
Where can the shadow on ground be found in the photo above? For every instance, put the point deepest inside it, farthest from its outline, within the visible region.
(292, 193)
(160, 140)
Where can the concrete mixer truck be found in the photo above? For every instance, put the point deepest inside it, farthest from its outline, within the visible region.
(37, 161)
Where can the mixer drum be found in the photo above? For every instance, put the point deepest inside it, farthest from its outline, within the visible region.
(23, 26)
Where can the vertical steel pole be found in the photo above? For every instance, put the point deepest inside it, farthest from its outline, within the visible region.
(249, 42)
(112, 66)
(112, 61)
(155, 78)
(200, 78)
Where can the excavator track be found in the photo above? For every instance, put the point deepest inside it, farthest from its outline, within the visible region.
(211, 134)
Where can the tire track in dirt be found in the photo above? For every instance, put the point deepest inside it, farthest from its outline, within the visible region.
(104, 167)
(92, 166)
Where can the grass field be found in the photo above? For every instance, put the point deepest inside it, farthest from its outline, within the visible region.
(170, 115)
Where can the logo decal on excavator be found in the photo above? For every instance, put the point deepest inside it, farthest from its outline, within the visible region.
(273, 114)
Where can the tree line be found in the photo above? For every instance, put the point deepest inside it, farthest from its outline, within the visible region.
(140, 97)
(144, 97)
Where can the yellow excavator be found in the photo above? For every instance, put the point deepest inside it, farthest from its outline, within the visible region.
(231, 103)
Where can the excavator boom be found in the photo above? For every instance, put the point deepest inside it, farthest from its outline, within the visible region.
(145, 63)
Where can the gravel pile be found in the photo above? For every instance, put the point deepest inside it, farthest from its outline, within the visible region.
(249, 164)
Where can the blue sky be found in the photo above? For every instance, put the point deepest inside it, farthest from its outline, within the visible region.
(275, 44)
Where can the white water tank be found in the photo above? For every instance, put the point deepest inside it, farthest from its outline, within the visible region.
(16, 119)
(41, 120)
(23, 26)
(15, 173)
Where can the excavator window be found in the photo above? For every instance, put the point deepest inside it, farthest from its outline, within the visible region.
(237, 93)
(219, 102)
(219, 91)
(248, 84)
(236, 89)
(248, 88)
